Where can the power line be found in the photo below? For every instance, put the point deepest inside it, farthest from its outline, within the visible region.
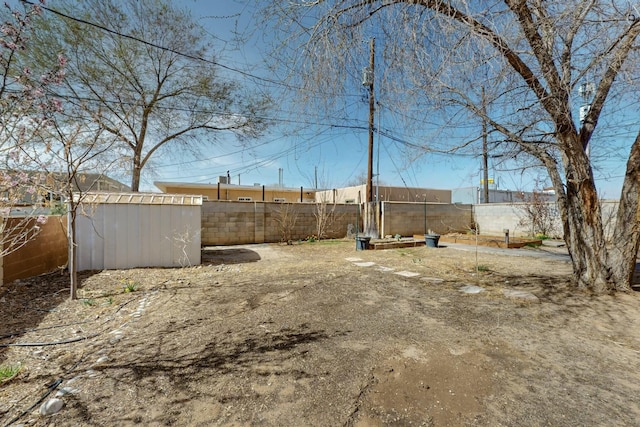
(174, 51)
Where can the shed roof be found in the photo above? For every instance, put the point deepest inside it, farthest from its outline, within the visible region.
(140, 198)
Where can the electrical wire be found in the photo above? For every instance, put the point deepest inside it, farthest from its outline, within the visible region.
(174, 51)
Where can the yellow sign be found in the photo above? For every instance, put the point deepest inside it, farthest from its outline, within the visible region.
(490, 181)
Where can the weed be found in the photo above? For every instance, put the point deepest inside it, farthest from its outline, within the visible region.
(89, 302)
(482, 268)
(312, 239)
(129, 286)
(8, 372)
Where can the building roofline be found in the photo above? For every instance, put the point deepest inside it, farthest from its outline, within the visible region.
(162, 185)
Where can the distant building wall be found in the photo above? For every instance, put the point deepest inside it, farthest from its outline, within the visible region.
(475, 195)
(249, 193)
(385, 194)
(46, 252)
(407, 219)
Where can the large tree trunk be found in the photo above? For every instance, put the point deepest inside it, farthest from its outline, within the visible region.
(626, 234)
(582, 220)
(599, 265)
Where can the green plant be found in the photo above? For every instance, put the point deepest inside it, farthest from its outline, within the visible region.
(89, 302)
(312, 239)
(482, 268)
(129, 285)
(8, 371)
(542, 236)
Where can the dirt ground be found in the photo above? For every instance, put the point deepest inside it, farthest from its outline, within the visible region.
(319, 334)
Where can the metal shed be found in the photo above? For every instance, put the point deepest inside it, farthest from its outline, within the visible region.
(130, 230)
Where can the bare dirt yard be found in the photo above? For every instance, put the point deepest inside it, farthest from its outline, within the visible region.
(319, 334)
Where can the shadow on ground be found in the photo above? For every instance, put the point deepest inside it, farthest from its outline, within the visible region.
(186, 370)
(26, 302)
(229, 256)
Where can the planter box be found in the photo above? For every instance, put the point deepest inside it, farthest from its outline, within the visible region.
(493, 241)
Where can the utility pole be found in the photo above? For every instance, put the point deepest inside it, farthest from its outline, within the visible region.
(369, 82)
(485, 154)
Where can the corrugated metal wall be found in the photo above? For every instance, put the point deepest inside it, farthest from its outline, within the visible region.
(130, 235)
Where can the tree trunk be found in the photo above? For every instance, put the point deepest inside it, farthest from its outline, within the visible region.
(135, 173)
(72, 254)
(626, 234)
(582, 220)
(599, 265)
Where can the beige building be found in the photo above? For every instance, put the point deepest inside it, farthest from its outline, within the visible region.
(385, 194)
(262, 193)
(242, 193)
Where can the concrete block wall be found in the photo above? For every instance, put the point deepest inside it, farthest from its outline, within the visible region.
(46, 252)
(408, 219)
(230, 223)
(233, 223)
(493, 218)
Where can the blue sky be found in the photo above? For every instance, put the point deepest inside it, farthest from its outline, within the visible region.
(307, 149)
(336, 155)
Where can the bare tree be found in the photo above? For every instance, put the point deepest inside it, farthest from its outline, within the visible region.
(286, 216)
(77, 149)
(538, 214)
(149, 76)
(325, 215)
(24, 107)
(530, 56)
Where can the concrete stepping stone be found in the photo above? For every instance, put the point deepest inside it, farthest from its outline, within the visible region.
(353, 259)
(365, 264)
(407, 273)
(471, 289)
